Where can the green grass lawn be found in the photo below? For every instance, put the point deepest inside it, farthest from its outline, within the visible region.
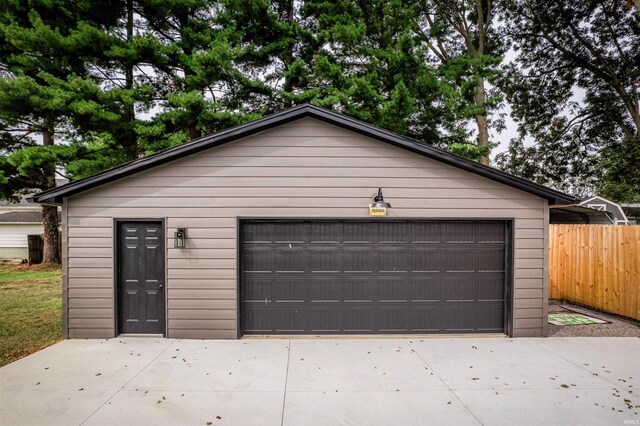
(30, 310)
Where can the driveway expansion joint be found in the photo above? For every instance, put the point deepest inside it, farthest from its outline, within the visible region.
(408, 342)
(582, 367)
(129, 381)
(286, 380)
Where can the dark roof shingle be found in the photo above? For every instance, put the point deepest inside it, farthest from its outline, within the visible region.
(34, 216)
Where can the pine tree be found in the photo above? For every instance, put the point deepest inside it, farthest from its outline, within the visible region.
(194, 71)
(44, 88)
(370, 66)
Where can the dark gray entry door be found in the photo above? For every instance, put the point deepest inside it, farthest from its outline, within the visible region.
(141, 277)
(359, 277)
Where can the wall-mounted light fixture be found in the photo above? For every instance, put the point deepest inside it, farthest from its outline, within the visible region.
(180, 238)
(379, 206)
(378, 201)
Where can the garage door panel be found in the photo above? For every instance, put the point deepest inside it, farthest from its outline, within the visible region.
(289, 232)
(394, 290)
(490, 232)
(490, 259)
(256, 233)
(289, 258)
(429, 259)
(426, 232)
(490, 318)
(393, 232)
(427, 290)
(330, 232)
(460, 290)
(393, 259)
(458, 319)
(256, 259)
(325, 259)
(256, 290)
(359, 259)
(459, 232)
(425, 319)
(267, 291)
(332, 290)
(490, 288)
(357, 232)
(345, 290)
(460, 259)
(364, 277)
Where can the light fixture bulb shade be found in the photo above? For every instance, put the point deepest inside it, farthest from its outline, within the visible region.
(381, 204)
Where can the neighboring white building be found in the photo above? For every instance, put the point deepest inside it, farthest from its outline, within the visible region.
(17, 220)
(605, 205)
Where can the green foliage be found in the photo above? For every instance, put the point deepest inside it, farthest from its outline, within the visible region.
(460, 77)
(621, 172)
(111, 81)
(573, 89)
(372, 67)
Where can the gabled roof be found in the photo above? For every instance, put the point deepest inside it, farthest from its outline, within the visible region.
(56, 195)
(602, 203)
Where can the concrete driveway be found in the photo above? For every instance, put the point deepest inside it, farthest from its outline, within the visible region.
(325, 381)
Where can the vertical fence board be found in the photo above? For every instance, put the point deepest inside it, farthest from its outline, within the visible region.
(596, 265)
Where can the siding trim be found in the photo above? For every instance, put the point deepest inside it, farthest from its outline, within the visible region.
(510, 265)
(55, 195)
(65, 270)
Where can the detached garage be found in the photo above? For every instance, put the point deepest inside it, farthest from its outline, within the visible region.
(268, 229)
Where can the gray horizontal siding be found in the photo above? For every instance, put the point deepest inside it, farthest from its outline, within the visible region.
(284, 172)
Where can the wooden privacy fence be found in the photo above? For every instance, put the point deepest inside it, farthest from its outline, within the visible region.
(596, 265)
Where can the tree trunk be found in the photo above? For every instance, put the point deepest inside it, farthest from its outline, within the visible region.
(481, 120)
(287, 58)
(51, 251)
(131, 141)
(194, 133)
